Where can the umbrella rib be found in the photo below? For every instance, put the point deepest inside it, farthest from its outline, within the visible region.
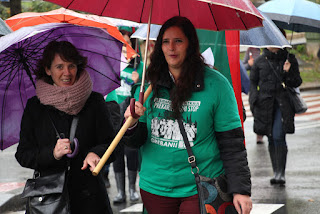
(8, 74)
(10, 69)
(3, 109)
(7, 55)
(47, 20)
(88, 35)
(142, 9)
(20, 81)
(178, 2)
(105, 6)
(47, 37)
(213, 16)
(69, 4)
(241, 19)
(110, 57)
(106, 75)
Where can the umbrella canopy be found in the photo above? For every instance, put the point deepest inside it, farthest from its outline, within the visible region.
(210, 14)
(215, 15)
(63, 15)
(295, 15)
(4, 28)
(262, 37)
(20, 52)
(204, 14)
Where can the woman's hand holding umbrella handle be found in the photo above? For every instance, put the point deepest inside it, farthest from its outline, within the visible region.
(62, 148)
(132, 105)
(286, 66)
(135, 109)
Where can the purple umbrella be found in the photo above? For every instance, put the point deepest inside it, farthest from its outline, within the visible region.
(20, 52)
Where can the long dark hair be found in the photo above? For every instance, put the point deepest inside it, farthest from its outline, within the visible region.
(193, 65)
(67, 51)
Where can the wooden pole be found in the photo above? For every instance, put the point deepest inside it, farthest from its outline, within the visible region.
(117, 139)
(142, 98)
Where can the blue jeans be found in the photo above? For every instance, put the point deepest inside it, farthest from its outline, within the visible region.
(278, 137)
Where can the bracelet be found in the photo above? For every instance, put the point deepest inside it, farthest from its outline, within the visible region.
(134, 126)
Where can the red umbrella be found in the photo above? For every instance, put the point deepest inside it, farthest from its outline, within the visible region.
(214, 15)
(210, 14)
(204, 14)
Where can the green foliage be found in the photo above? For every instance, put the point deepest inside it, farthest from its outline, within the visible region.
(38, 6)
(301, 49)
(311, 75)
(301, 52)
(4, 12)
(29, 6)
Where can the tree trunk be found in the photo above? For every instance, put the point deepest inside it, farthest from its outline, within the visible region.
(15, 7)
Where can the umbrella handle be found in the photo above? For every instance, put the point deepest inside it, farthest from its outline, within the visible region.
(118, 137)
(76, 149)
(132, 105)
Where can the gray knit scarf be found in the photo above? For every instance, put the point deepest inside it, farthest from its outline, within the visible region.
(69, 99)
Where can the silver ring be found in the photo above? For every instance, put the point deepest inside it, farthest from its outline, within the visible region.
(66, 147)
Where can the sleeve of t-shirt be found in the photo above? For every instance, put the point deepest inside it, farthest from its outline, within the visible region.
(226, 116)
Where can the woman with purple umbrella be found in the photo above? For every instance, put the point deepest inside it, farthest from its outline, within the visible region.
(64, 92)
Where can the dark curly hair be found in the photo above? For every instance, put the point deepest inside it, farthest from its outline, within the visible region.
(193, 65)
(67, 51)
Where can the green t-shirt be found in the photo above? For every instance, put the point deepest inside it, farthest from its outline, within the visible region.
(124, 91)
(165, 170)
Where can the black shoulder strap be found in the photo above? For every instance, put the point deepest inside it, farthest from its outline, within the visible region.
(192, 161)
(191, 158)
(274, 71)
(73, 128)
(57, 133)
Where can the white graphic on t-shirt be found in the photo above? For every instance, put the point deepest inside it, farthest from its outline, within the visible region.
(188, 106)
(166, 132)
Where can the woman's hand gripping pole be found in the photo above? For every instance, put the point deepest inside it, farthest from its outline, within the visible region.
(131, 120)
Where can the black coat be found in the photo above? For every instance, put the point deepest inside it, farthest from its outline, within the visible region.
(266, 89)
(94, 133)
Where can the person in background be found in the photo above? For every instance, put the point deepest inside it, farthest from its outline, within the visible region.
(64, 90)
(249, 57)
(114, 109)
(181, 84)
(251, 54)
(245, 86)
(273, 116)
(129, 77)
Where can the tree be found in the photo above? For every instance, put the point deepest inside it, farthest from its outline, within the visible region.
(15, 7)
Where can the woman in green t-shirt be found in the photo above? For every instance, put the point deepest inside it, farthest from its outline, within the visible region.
(183, 86)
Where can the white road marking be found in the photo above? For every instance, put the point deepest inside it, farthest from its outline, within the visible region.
(256, 208)
(137, 208)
